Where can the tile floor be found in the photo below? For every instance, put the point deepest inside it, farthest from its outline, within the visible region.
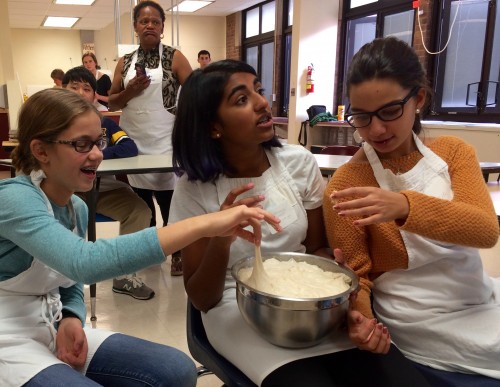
(162, 319)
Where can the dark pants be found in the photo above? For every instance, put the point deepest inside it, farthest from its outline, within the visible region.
(351, 368)
(438, 378)
(163, 198)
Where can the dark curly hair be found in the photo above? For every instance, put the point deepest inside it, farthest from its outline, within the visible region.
(148, 3)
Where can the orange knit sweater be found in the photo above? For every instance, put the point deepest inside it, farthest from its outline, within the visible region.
(469, 219)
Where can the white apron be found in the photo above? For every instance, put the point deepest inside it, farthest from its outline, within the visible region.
(226, 329)
(443, 311)
(29, 306)
(150, 125)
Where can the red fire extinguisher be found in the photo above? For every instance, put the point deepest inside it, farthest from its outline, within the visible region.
(309, 80)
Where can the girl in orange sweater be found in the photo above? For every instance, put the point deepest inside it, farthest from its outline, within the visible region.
(409, 219)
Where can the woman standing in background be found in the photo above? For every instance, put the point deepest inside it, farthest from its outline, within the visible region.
(103, 81)
(148, 103)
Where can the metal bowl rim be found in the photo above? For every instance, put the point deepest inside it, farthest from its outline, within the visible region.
(344, 269)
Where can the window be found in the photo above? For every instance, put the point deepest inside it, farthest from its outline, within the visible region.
(252, 23)
(284, 96)
(366, 20)
(467, 73)
(359, 3)
(258, 43)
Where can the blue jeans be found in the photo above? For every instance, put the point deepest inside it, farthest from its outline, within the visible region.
(125, 361)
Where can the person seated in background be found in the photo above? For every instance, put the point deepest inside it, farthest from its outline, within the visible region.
(410, 218)
(45, 258)
(225, 146)
(89, 61)
(116, 198)
(57, 76)
(204, 58)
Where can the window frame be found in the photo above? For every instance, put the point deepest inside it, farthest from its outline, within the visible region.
(280, 90)
(381, 9)
(283, 97)
(435, 68)
(462, 114)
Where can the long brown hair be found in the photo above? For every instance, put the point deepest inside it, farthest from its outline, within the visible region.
(44, 116)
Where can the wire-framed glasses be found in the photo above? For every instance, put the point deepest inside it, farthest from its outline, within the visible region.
(83, 146)
(389, 112)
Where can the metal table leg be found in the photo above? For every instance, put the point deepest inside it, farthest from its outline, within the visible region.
(91, 234)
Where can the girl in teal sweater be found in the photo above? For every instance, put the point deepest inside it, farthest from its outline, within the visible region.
(45, 258)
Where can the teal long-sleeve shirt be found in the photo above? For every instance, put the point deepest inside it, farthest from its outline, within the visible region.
(28, 230)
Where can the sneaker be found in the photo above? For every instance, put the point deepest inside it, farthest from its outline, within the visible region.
(134, 287)
(176, 268)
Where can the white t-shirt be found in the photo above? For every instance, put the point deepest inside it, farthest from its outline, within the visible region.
(292, 185)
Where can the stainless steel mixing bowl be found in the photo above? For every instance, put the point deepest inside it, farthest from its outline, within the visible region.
(293, 322)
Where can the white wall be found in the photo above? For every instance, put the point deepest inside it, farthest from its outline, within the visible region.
(485, 138)
(314, 40)
(36, 52)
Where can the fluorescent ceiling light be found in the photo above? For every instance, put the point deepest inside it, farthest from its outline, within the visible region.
(190, 6)
(74, 2)
(61, 22)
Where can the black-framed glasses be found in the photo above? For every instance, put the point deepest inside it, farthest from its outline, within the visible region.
(389, 112)
(83, 146)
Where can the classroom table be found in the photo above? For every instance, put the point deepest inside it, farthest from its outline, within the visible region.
(487, 168)
(8, 163)
(130, 165)
(8, 145)
(328, 164)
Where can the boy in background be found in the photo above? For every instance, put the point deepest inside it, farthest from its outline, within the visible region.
(57, 76)
(116, 199)
(204, 58)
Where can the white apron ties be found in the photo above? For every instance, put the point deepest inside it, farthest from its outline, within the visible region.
(30, 305)
(444, 296)
(150, 125)
(227, 331)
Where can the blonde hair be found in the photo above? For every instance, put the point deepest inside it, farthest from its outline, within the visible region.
(44, 116)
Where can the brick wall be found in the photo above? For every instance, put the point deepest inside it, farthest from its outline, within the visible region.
(233, 51)
(426, 9)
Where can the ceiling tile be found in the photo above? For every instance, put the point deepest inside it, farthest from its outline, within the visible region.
(21, 11)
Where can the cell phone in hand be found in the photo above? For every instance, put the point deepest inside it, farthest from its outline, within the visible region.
(140, 69)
